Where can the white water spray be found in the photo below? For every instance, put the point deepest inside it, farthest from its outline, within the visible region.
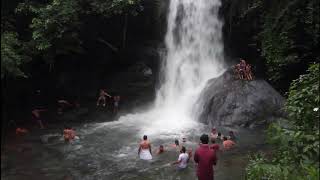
(194, 55)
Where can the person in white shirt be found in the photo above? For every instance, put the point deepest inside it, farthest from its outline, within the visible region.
(183, 159)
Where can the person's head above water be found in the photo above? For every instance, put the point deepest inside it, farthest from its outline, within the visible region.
(145, 137)
(225, 138)
(184, 139)
(231, 133)
(213, 130)
(219, 133)
(183, 149)
(204, 139)
(176, 142)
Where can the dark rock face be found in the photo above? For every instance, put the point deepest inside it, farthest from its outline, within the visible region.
(229, 102)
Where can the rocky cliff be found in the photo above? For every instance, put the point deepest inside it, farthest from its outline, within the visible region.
(227, 101)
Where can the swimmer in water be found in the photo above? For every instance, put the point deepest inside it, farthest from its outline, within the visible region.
(160, 150)
(145, 149)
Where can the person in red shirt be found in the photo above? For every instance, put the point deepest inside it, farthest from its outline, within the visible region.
(205, 158)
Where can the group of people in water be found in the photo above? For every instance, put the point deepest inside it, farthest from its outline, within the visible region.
(102, 100)
(205, 155)
(243, 70)
(63, 106)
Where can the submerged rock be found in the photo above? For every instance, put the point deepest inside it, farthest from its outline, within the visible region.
(230, 102)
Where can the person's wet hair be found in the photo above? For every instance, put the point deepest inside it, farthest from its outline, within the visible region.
(183, 149)
(176, 142)
(145, 137)
(225, 138)
(204, 139)
(219, 133)
(231, 132)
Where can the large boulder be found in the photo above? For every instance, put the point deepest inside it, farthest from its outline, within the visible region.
(226, 101)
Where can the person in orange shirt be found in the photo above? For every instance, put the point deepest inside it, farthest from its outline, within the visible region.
(227, 143)
(21, 131)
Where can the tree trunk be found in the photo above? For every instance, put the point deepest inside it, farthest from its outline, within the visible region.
(125, 27)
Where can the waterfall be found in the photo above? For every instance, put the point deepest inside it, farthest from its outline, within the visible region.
(194, 55)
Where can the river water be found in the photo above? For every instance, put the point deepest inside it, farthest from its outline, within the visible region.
(106, 151)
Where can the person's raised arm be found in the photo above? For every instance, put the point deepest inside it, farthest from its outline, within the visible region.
(105, 93)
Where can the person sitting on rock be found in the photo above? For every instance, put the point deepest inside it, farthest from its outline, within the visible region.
(242, 69)
(227, 143)
(248, 72)
(69, 134)
(102, 97)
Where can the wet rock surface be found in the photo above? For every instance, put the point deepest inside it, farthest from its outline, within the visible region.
(230, 102)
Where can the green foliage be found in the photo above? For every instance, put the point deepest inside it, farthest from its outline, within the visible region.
(59, 21)
(12, 57)
(53, 21)
(290, 37)
(296, 153)
(303, 99)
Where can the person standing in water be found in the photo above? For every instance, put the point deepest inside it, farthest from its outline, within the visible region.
(183, 159)
(205, 158)
(145, 149)
(102, 97)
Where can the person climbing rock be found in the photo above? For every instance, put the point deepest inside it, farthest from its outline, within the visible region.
(183, 159)
(144, 150)
(206, 159)
(102, 97)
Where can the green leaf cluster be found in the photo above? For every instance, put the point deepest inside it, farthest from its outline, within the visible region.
(289, 37)
(12, 57)
(296, 153)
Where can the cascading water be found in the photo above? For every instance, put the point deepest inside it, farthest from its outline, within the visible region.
(194, 55)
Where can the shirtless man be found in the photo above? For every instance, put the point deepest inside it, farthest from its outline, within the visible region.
(242, 68)
(248, 72)
(36, 116)
(102, 97)
(144, 150)
(68, 134)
